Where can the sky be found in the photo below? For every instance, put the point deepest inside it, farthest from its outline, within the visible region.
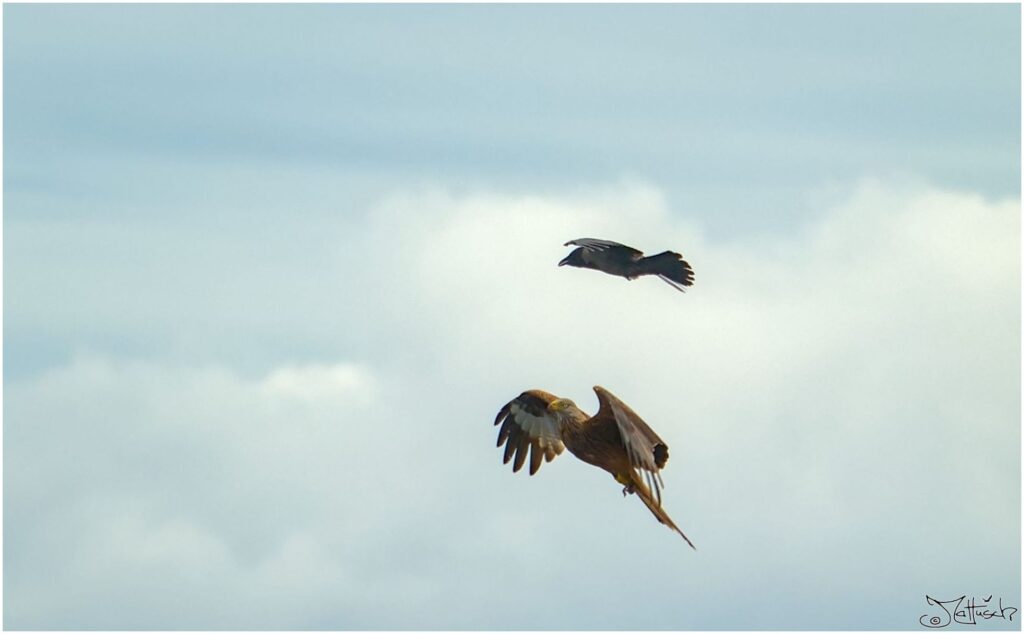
(270, 271)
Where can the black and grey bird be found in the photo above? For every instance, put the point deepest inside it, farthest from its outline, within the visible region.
(618, 259)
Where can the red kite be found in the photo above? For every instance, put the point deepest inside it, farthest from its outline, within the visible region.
(615, 439)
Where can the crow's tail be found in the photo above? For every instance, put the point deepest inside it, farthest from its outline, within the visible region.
(669, 266)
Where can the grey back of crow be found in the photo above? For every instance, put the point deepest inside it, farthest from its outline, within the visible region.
(618, 259)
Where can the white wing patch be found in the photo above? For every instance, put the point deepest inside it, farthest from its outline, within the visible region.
(542, 429)
(528, 429)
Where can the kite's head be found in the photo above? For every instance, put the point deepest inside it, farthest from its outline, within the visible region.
(562, 407)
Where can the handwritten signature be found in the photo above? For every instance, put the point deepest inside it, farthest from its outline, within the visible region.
(965, 611)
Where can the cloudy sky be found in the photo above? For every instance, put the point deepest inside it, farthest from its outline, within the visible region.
(270, 271)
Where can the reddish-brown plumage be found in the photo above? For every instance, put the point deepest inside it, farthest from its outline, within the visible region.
(615, 439)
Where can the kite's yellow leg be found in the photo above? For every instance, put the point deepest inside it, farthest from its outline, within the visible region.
(626, 480)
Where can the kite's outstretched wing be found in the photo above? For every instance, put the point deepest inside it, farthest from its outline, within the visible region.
(528, 426)
(647, 452)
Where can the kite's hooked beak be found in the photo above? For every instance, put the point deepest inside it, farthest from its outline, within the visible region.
(557, 405)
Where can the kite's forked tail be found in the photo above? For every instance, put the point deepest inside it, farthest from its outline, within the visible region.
(640, 488)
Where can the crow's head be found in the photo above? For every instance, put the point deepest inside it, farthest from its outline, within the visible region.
(574, 259)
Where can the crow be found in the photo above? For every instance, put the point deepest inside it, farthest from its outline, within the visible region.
(618, 259)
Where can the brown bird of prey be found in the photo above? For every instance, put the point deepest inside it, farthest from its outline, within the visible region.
(615, 439)
(618, 259)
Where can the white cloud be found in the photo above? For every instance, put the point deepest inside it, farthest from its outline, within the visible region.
(827, 396)
(318, 382)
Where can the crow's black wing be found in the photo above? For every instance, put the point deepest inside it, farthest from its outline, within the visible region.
(596, 244)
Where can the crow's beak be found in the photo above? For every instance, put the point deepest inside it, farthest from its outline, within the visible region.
(564, 261)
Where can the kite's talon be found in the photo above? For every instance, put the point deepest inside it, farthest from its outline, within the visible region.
(628, 489)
